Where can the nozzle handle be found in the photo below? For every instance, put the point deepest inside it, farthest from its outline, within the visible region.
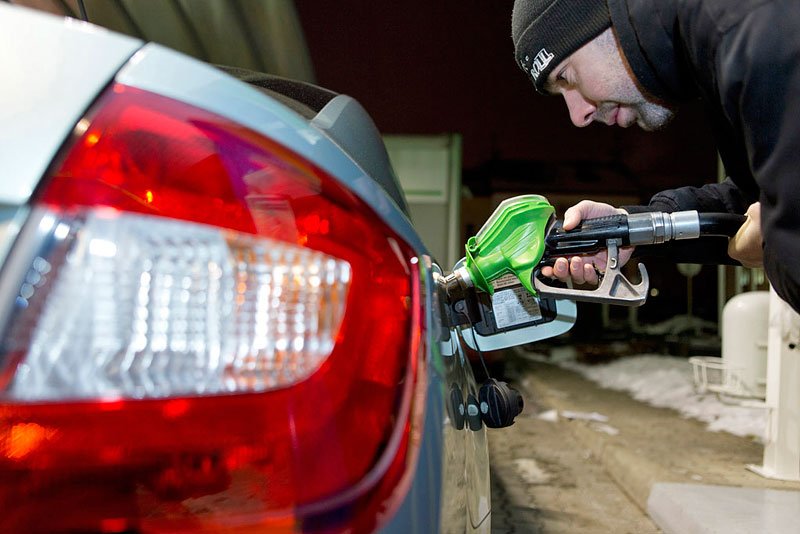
(647, 228)
(614, 287)
(589, 236)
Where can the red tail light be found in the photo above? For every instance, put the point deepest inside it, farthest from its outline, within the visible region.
(210, 334)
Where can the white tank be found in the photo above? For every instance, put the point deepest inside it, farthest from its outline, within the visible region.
(745, 323)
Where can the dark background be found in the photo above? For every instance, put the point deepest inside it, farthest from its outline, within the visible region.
(448, 66)
(429, 67)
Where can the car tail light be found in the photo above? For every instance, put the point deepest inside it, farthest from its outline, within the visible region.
(209, 334)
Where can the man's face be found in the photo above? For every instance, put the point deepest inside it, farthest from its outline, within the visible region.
(597, 86)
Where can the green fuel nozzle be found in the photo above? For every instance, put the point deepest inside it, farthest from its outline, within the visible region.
(523, 234)
(512, 241)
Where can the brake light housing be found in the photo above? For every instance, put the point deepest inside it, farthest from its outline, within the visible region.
(209, 333)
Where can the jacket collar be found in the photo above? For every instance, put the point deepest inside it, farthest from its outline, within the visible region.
(648, 34)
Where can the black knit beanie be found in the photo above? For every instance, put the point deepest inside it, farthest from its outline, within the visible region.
(546, 32)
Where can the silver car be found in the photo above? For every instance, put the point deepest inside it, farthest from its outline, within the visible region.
(216, 314)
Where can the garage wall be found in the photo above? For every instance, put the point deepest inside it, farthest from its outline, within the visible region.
(429, 169)
(260, 35)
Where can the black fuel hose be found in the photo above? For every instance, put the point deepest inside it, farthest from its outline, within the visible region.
(710, 248)
(720, 224)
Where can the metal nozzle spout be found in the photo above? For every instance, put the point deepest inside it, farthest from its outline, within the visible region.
(456, 284)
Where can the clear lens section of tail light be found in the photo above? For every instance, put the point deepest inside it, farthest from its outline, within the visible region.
(135, 306)
(203, 331)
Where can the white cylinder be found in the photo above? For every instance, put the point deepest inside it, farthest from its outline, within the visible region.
(745, 326)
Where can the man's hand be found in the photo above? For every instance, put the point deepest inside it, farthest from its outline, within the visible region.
(584, 269)
(746, 246)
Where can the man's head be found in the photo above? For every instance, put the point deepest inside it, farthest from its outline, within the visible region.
(567, 47)
(546, 32)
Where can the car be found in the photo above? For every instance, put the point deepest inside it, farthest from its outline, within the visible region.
(216, 314)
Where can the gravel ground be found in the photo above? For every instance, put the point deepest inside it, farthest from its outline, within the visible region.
(582, 458)
(543, 481)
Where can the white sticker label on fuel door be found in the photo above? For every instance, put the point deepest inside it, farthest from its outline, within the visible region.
(505, 281)
(514, 306)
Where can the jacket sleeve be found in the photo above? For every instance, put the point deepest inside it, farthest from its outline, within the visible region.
(723, 197)
(758, 73)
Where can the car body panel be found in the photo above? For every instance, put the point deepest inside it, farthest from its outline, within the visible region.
(448, 489)
(55, 89)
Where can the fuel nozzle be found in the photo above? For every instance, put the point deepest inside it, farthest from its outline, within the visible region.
(512, 241)
(648, 228)
(616, 231)
(522, 235)
(457, 284)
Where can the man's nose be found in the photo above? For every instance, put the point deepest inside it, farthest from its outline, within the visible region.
(581, 111)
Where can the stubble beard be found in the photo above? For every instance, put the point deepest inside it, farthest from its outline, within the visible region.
(653, 116)
(650, 115)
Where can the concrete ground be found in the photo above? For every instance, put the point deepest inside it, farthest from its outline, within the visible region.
(579, 475)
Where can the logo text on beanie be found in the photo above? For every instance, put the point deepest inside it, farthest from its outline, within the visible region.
(540, 62)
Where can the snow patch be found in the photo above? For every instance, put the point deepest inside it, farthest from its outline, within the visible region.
(530, 471)
(667, 382)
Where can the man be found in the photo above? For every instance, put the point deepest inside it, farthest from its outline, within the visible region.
(625, 62)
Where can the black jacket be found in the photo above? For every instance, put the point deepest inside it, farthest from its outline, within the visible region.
(742, 58)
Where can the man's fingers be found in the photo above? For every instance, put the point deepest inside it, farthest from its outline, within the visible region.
(754, 211)
(590, 274)
(561, 269)
(746, 245)
(576, 270)
(572, 217)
